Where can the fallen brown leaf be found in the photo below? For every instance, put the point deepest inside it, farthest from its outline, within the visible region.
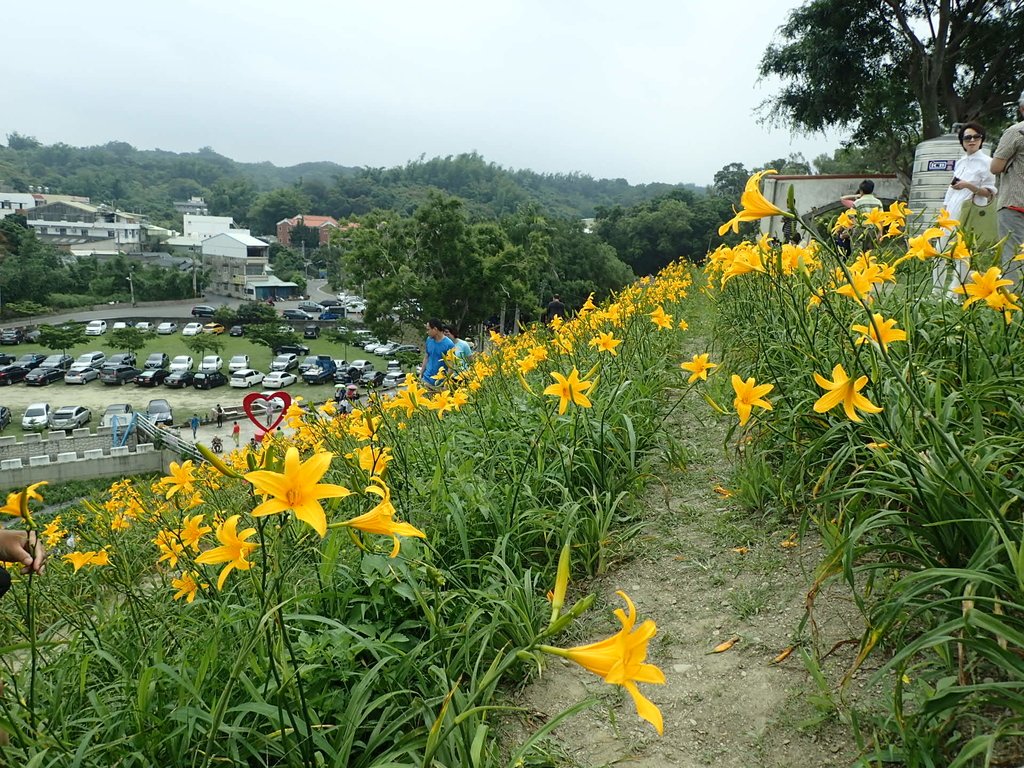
(723, 647)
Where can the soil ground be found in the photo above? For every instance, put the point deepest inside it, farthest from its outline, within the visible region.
(733, 709)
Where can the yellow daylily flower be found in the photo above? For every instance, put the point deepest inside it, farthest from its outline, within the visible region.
(748, 394)
(192, 531)
(569, 389)
(945, 221)
(371, 458)
(605, 342)
(81, 559)
(753, 205)
(297, 489)
(698, 367)
(844, 390)
(17, 501)
(234, 549)
(887, 331)
(985, 288)
(380, 519)
(182, 478)
(170, 546)
(188, 585)
(661, 318)
(620, 660)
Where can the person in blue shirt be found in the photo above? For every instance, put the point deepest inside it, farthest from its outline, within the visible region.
(436, 347)
(462, 349)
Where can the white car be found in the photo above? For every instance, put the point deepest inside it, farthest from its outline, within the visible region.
(36, 418)
(356, 307)
(392, 379)
(211, 363)
(119, 325)
(181, 363)
(166, 328)
(238, 362)
(279, 379)
(284, 362)
(96, 328)
(192, 329)
(373, 346)
(144, 325)
(247, 377)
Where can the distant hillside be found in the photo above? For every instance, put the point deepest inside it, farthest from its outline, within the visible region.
(150, 181)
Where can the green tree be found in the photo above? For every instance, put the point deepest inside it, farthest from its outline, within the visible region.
(130, 339)
(271, 335)
(204, 344)
(270, 207)
(895, 71)
(255, 313)
(61, 337)
(730, 180)
(232, 197)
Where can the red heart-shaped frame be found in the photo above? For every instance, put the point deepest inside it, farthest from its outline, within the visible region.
(254, 397)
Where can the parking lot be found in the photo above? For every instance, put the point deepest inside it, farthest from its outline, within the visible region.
(184, 402)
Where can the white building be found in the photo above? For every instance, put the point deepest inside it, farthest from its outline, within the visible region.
(15, 202)
(238, 264)
(198, 228)
(72, 223)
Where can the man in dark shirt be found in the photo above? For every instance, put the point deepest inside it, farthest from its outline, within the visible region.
(555, 308)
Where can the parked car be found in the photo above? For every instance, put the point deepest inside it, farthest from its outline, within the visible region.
(236, 330)
(6, 359)
(361, 365)
(12, 336)
(296, 314)
(332, 314)
(70, 417)
(286, 362)
(5, 417)
(179, 379)
(292, 349)
(120, 411)
(384, 350)
(356, 307)
(93, 359)
(60, 362)
(122, 358)
(392, 379)
(41, 376)
(311, 332)
(120, 324)
(238, 362)
(159, 412)
(209, 380)
(81, 373)
(31, 360)
(36, 417)
(215, 328)
(96, 328)
(371, 378)
(153, 377)
(279, 379)
(406, 348)
(203, 310)
(393, 366)
(118, 374)
(192, 329)
(311, 306)
(164, 329)
(246, 377)
(156, 360)
(328, 303)
(12, 374)
(211, 363)
(372, 346)
(181, 363)
(144, 325)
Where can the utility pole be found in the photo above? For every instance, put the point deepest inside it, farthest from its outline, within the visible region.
(131, 285)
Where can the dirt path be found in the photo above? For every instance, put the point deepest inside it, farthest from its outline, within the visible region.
(734, 709)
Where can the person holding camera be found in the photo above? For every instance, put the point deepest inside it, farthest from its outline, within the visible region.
(973, 187)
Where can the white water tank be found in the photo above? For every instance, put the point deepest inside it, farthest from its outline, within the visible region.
(932, 174)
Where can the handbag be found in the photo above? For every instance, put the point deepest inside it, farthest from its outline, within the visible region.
(979, 221)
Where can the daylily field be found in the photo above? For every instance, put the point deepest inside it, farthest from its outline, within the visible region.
(367, 590)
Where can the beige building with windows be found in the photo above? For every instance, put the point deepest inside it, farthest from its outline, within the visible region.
(238, 264)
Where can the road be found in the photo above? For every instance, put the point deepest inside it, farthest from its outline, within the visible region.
(178, 310)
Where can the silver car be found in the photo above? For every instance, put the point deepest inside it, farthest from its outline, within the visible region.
(81, 374)
(70, 416)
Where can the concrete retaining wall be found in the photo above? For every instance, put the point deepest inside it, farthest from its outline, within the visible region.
(56, 442)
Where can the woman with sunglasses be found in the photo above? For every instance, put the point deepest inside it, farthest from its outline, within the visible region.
(972, 181)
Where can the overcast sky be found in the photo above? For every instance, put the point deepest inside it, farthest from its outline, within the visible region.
(652, 90)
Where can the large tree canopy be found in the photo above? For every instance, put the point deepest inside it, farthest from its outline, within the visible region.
(896, 71)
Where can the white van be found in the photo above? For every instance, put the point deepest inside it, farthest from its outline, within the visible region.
(91, 360)
(96, 328)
